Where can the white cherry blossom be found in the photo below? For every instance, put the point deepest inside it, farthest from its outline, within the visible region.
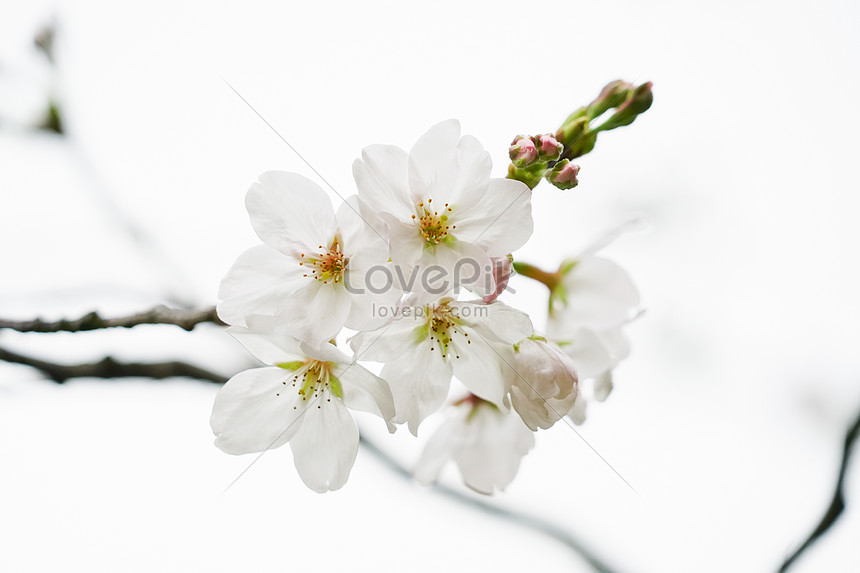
(595, 299)
(425, 345)
(442, 209)
(544, 384)
(310, 272)
(486, 443)
(303, 397)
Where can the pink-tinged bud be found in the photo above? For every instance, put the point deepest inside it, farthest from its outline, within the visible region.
(564, 175)
(503, 268)
(523, 151)
(550, 148)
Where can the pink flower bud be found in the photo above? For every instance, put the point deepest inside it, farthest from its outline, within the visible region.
(522, 151)
(503, 268)
(550, 147)
(563, 175)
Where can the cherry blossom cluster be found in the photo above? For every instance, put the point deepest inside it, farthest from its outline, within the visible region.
(407, 273)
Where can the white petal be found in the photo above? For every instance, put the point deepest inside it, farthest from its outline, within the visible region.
(324, 449)
(449, 169)
(466, 266)
(588, 354)
(257, 283)
(317, 312)
(491, 459)
(268, 347)
(502, 222)
(366, 392)
(483, 367)
(382, 178)
(290, 212)
(440, 448)
(255, 411)
(600, 296)
(390, 342)
(357, 232)
(406, 245)
(432, 161)
(548, 370)
(369, 311)
(616, 344)
(419, 383)
(495, 321)
(539, 411)
(577, 413)
(603, 386)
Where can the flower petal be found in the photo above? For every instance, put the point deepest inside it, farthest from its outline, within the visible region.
(255, 411)
(600, 296)
(406, 245)
(266, 346)
(382, 178)
(256, 284)
(483, 367)
(390, 342)
(495, 321)
(290, 212)
(603, 386)
(449, 169)
(502, 222)
(366, 392)
(440, 448)
(431, 160)
(577, 413)
(588, 354)
(419, 383)
(317, 312)
(539, 411)
(324, 450)
(357, 232)
(491, 459)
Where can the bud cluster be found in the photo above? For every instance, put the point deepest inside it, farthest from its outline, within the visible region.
(548, 156)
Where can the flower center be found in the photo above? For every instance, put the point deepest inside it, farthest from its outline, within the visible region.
(329, 265)
(432, 226)
(443, 325)
(312, 378)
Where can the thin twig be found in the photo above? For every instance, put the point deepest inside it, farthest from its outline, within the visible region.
(110, 368)
(527, 521)
(837, 503)
(186, 319)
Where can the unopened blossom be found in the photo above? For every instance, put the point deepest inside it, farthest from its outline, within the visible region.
(503, 268)
(303, 397)
(591, 305)
(563, 175)
(310, 272)
(426, 345)
(486, 443)
(442, 210)
(523, 151)
(544, 384)
(550, 148)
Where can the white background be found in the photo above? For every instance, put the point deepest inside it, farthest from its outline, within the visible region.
(728, 417)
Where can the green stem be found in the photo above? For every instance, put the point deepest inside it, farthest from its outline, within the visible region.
(551, 280)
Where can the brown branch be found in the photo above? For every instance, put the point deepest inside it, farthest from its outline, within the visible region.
(837, 502)
(110, 368)
(527, 521)
(186, 319)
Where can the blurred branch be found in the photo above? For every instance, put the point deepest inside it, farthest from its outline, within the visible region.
(837, 503)
(185, 319)
(527, 521)
(110, 368)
